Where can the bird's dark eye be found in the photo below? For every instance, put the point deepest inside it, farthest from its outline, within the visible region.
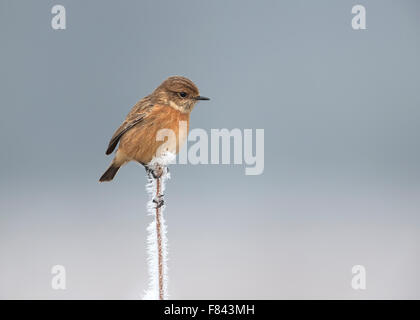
(182, 94)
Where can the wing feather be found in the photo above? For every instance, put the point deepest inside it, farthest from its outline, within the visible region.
(134, 117)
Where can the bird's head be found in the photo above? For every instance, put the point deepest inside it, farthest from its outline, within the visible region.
(178, 92)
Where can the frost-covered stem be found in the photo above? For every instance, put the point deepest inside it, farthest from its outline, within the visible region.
(159, 239)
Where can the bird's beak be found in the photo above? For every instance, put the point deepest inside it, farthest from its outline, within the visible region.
(201, 98)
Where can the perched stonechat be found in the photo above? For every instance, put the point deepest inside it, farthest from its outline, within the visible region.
(169, 105)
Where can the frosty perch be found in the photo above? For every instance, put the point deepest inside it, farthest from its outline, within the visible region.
(140, 140)
(169, 104)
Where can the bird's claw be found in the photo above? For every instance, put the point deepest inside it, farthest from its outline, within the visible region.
(159, 202)
(156, 173)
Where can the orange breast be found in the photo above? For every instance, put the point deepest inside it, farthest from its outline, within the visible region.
(141, 142)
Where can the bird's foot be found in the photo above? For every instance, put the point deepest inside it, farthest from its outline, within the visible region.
(159, 201)
(156, 172)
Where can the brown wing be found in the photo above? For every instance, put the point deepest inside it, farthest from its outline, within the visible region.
(135, 116)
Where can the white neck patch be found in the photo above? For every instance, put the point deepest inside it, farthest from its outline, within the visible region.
(175, 106)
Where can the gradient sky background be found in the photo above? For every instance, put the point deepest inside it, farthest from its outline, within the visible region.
(341, 113)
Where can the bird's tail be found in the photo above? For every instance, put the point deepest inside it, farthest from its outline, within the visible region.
(109, 173)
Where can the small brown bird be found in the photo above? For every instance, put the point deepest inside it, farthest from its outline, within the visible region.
(165, 108)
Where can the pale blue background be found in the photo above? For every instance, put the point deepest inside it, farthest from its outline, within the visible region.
(341, 113)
